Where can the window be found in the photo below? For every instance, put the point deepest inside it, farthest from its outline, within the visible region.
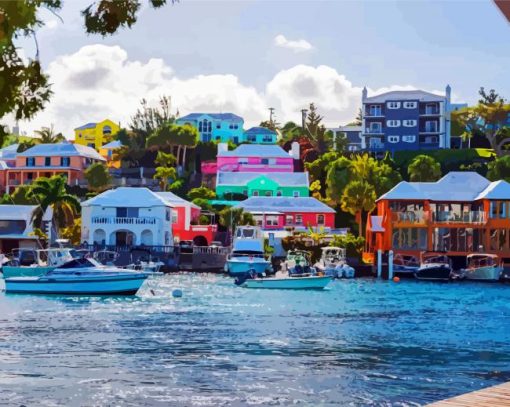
(278, 193)
(218, 126)
(295, 194)
(127, 212)
(431, 108)
(409, 123)
(230, 127)
(431, 126)
(47, 161)
(410, 105)
(65, 161)
(252, 139)
(30, 161)
(393, 139)
(289, 219)
(393, 123)
(242, 161)
(408, 139)
(167, 213)
(299, 219)
(205, 126)
(375, 110)
(269, 193)
(236, 126)
(264, 161)
(107, 130)
(167, 238)
(375, 127)
(272, 220)
(320, 219)
(255, 193)
(175, 217)
(245, 192)
(393, 105)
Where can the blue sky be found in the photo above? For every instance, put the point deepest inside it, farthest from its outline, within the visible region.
(222, 55)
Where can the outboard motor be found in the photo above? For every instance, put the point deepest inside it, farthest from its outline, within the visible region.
(249, 275)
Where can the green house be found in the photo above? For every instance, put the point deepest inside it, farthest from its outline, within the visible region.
(291, 184)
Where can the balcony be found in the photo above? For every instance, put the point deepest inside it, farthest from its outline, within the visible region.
(473, 217)
(374, 113)
(114, 220)
(374, 130)
(410, 217)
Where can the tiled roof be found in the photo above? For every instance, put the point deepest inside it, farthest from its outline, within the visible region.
(260, 130)
(86, 126)
(256, 150)
(217, 116)
(454, 186)
(127, 197)
(284, 204)
(419, 95)
(62, 150)
(281, 178)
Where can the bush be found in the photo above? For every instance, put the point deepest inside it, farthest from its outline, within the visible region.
(352, 244)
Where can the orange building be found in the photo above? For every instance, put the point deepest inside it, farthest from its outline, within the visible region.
(461, 213)
(46, 160)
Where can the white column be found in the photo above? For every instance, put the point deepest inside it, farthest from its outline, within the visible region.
(379, 263)
(390, 265)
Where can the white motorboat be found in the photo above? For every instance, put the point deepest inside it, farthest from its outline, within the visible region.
(247, 252)
(333, 263)
(79, 277)
(142, 260)
(33, 263)
(482, 267)
(298, 263)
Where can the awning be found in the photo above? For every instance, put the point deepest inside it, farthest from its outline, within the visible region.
(376, 224)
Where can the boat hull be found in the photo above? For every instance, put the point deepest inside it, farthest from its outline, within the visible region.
(89, 285)
(15, 271)
(489, 273)
(437, 273)
(241, 265)
(291, 283)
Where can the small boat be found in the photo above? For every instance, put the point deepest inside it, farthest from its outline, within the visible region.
(405, 265)
(482, 267)
(247, 252)
(142, 260)
(333, 263)
(79, 277)
(289, 283)
(33, 263)
(434, 266)
(298, 262)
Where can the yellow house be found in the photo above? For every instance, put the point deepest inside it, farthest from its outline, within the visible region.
(95, 134)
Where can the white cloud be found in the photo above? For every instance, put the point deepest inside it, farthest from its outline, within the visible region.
(294, 45)
(99, 82)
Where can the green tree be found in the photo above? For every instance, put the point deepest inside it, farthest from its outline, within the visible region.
(165, 159)
(424, 168)
(25, 145)
(499, 169)
(201, 193)
(20, 196)
(233, 217)
(166, 175)
(72, 232)
(316, 132)
(358, 197)
(47, 135)
(147, 119)
(51, 192)
(98, 177)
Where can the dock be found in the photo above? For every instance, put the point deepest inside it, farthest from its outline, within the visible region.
(495, 396)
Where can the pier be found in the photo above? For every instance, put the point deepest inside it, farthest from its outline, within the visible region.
(495, 396)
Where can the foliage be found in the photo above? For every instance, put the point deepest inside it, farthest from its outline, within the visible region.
(234, 196)
(352, 244)
(165, 175)
(51, 192)
(358, 197)
(424, 168)
(316, 132)
(232, 217)
(47, 135)
(38, 232)
(201, 193)
(20, 196)
(98, 177)
(25, 145)
(165, 159)
(499, 169)
(72, 232)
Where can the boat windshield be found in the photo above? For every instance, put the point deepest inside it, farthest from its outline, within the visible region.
(481, 261)
(246, 233)
(435, 259)
(80, 263)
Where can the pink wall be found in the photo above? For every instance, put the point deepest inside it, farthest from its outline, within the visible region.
(255, 164)
(209, 167)
(309, 219)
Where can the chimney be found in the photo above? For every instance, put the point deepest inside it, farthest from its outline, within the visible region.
(448, 94)
(294, 150)
(364, 94)
(222, 147)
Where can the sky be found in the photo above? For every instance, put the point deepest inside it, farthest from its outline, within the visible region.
(246, 56)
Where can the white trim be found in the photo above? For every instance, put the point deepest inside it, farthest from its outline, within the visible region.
(393, 123)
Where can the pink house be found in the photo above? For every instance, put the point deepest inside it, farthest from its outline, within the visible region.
(46, 160)
(255, 158)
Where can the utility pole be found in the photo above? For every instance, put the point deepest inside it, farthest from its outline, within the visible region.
(271, 113)
(303, 118)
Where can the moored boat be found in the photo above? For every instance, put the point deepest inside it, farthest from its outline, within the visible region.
(405, 265)
(79, 277)
(434, 266)
(482, 267)
(247, 252)
(33, 263)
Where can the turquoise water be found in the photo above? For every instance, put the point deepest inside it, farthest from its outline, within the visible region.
(363, 342)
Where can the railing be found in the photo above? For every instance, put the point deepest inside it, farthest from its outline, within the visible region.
(464, 217)
(410, 217)
(371, 130)
(373, 113)
(211, 250)
(113, 220)
(204, 228)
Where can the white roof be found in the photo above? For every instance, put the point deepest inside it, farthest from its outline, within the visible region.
(23, 213)
(63, 149)
(127, 197)
(496, 190)
(9, 152)
(261, 204)
(454, 186)
(112, 144)
(419, 95)
(281, 178)
(256, 150)
(175, 200)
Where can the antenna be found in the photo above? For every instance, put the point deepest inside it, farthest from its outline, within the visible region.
(303, 117)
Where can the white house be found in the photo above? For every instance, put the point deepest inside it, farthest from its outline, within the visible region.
(127, 217)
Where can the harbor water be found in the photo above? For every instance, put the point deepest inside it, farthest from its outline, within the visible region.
(363, 342)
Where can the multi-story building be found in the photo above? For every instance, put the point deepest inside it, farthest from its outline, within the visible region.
(461, 213)
(46, 160)
(260, 135)
(96, 135)
(222, 127)
(406, 120)
(290, 184)
(353, 134)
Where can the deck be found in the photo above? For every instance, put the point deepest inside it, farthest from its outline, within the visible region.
(496, 396)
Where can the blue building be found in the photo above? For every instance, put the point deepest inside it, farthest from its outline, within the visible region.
(406, 120)
(352, 133)
(260, 135)
(221, 127)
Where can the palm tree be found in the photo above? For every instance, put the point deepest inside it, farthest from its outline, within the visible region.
(424, 168)
(51, 192)
(47, 135)
(358, 197)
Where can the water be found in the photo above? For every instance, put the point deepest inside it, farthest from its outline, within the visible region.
(361, 343)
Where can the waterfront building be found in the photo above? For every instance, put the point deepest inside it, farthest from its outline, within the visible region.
(46, 160)
(293, 184)
(221, 127)
(95, 135)
(127, 217)
(461, 213)
(17, 227)
(406, 120)
(186, 219)
(272, 213)
(353, 134)
(260, 135)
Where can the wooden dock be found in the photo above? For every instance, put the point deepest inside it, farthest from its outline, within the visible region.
(496, 396)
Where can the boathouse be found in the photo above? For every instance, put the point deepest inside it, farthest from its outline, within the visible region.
(461, 213)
